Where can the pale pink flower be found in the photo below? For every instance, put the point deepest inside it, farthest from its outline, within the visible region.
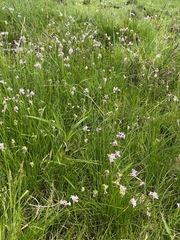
(114, 143)
(39, 55)
(117, 153)
(121, 135)
(23, 39)
(21, 91)
(74, 198)
(133, 202)
(31, 94)
(133, 173)
(141, 183)
(153, 194)
(65, 203)
(111, 157)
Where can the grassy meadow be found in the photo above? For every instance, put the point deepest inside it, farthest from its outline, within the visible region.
(89, 120)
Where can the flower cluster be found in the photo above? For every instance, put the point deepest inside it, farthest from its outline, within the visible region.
(18, 99)
(112, 156)
(74, 198)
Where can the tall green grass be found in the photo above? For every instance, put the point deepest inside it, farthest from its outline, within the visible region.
(89, 94)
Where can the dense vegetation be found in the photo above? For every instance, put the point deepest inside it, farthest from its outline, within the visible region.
(89, 120)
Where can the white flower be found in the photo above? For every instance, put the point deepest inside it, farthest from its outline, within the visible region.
(158, 56)
(105, 187)
(24, 149)
(23, 39)
(75, 199)
(116, 89)
(148, 213)
(106, 96)
(11, 9)
(37, 65)
(178, 205)
(67, 65)
(86, 90)
(39, 55)
(141, 183)
(21, 91)
(86, 129)
(31, 94)
(2, 146)
(82, 189)
(16, 108)
(133, 202)
(114, 143)
(3, 82)
(9, 89)
(175, 99)
(122, 190)
(99, 55)
(70, 51)
(73, 89)
(31, 164)
(153, 194)
(106, 172)
(105, 80)
(4, 33)
(21, 61)
(98, 129)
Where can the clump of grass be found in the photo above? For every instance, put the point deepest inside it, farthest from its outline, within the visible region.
(89, 121)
